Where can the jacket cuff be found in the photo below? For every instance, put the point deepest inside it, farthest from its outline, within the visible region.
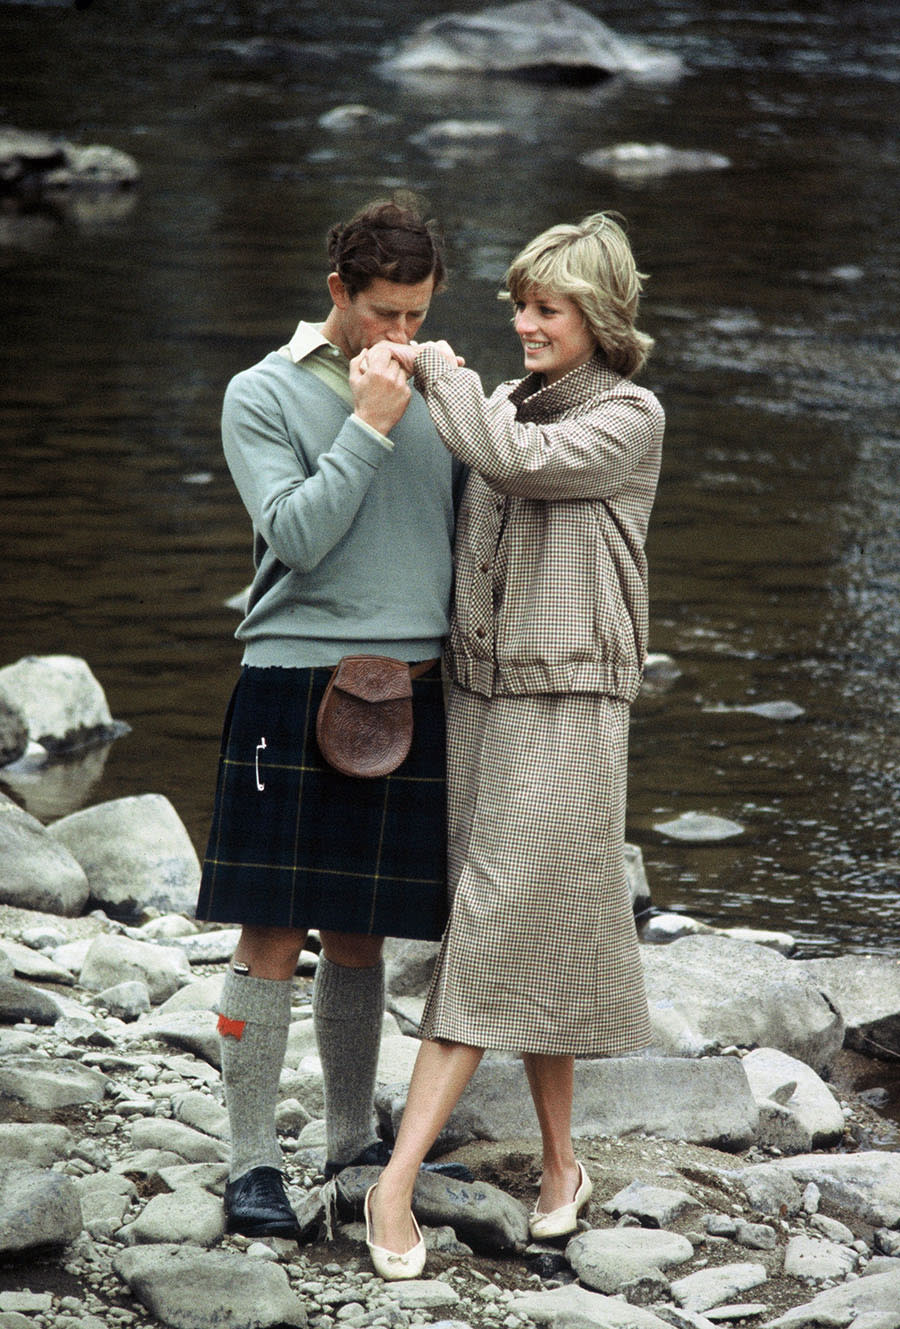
(429, 366)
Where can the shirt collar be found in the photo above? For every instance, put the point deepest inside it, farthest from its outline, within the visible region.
(306, 340)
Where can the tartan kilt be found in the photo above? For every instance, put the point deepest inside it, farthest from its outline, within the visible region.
(294, 843)
(540, 953)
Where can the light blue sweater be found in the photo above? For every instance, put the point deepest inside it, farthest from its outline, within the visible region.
(352, 540)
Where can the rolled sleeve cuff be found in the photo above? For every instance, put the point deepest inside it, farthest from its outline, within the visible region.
(386, 443)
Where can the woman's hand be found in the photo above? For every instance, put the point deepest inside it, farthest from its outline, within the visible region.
(405, 354)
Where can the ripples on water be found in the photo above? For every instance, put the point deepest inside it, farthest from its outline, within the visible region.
(774, 549)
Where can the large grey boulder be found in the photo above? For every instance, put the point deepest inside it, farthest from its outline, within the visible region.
(866, 991)
(136, 853)
(189, 1288)
(533, 38)
(705, 1101)
(483, 1216)
(112, 959)
(609, 1259)
(40, 1144)
(797, 1110)
(710, 992)
(574, 1307)
(865, 1185)
(845, 1304)
(22, 1001)
(38, 872)
(49, 1083)
(34, 161)
(188, 1214)
(62, 703)
(38, 1207)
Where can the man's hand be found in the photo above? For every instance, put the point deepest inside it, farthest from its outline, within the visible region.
(380, 391)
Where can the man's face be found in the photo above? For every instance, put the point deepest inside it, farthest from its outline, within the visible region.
(384, 311)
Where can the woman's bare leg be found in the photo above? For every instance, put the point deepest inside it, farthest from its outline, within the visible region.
(551, 1080)
(440, 1075)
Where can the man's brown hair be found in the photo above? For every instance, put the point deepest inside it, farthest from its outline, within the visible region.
(389, 239)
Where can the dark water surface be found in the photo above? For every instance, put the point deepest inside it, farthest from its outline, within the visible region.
(775, 548)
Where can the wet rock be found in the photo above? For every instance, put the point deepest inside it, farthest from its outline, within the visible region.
(649, 161)
(192, 1289)
(450, 142)
(612, 1259)
(38, 872)
(30, 160)
(536, 38)
(63, 704)
(136, 853)
(807, 1117)
(699, 828)
(706, 1288)
(50, 1083)
(706, 1101)
(353, 117)
(866, 991)
(110, 959)
(708, 992)
(38, 1207)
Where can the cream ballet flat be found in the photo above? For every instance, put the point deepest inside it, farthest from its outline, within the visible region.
(393, 1265)
(560, 1222)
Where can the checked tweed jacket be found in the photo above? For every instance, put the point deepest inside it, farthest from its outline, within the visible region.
(551, 575)
(548, 641)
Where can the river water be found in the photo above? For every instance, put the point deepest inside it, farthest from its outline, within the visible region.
(775, 547)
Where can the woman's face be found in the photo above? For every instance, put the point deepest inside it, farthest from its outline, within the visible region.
(553, 333)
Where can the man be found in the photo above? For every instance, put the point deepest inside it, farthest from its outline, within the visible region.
(351, 495)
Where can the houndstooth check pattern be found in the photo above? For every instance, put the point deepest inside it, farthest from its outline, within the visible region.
(548, 641)
(540, 953)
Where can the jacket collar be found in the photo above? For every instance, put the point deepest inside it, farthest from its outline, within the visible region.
(532, 400)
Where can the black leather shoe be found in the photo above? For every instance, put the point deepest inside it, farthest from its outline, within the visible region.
(378, 1154)
(257, 1206)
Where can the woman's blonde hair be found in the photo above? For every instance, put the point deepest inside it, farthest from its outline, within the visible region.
(592, 264)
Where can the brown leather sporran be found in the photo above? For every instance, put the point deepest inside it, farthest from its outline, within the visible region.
(364, 725)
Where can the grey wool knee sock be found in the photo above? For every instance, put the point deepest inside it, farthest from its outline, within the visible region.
(348, 1006)
(254, 1016)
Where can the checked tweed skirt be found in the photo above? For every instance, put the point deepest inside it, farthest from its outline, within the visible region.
(295, 844)
(541, 952)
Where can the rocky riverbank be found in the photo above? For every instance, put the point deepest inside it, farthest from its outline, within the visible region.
(739, 1175)
(734, 1187)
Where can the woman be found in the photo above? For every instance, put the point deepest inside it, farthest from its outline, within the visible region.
(547, 645)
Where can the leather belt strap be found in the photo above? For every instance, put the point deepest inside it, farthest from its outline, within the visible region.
(417, 670)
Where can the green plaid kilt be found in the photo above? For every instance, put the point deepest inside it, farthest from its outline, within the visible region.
(295, 844)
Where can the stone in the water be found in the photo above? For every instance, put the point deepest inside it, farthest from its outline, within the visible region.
(699, 827)
(534, 38)
(642, 161)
